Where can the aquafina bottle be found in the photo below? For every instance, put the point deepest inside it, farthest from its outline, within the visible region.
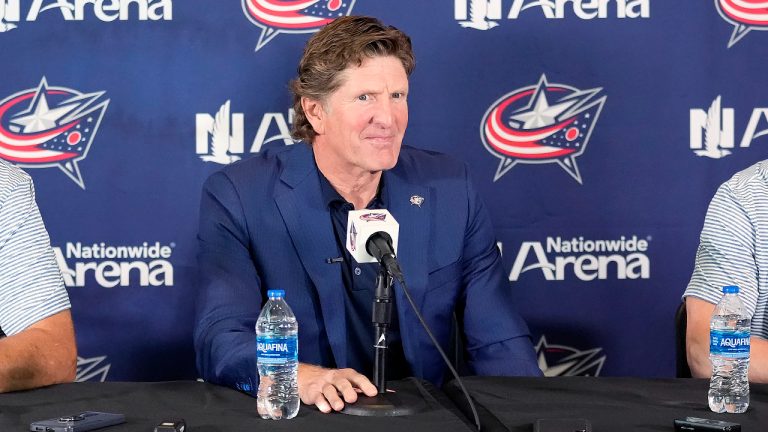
(729, 353)
(277, 349)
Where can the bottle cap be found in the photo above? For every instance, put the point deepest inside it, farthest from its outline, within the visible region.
(275, 294)
(730, 289)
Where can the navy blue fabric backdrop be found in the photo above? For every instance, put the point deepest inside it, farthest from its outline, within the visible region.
(596, 131)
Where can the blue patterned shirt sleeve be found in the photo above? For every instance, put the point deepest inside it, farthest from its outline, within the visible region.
(733, 249)
(31, 286)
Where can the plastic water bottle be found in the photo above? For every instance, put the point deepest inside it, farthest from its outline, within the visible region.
(729, 354)
(277, 349)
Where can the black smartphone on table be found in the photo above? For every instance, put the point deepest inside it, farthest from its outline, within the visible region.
(82, 422)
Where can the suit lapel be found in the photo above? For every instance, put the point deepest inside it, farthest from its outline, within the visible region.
(308, 222)
(412, 253)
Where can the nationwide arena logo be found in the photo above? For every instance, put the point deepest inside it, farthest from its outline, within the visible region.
(561, 360)
(485, 14)
(560, 259)
(293, 16)
(713, 131)
(50, 127)
(75, 10)
(110, 266)
(541, 124)
(220, 138)
(744, 15)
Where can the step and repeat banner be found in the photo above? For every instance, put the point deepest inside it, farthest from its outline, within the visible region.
(597, 131)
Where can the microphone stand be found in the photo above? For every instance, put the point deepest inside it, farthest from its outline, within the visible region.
(382, 318)
(406, 399)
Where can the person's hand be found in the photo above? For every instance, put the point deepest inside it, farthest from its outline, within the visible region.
(331, 388)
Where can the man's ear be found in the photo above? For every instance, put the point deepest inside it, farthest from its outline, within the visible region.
(315, 113)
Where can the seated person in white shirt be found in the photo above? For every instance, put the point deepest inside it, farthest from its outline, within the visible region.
(37, 338)
(733, 251)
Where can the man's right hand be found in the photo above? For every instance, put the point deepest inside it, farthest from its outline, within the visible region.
(331, 388)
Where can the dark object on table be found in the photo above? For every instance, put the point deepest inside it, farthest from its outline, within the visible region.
(562, 425)
(701, 424)
(85, 421)
(171, 426)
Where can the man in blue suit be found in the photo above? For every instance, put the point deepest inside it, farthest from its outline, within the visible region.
(278, 221)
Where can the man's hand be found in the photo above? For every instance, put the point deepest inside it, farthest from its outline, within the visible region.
(325, 388)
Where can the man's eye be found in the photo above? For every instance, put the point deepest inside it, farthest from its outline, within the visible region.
(363, 97)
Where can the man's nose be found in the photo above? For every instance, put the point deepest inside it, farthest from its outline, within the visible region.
(384, 114)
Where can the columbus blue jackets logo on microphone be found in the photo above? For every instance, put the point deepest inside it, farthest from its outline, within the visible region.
(50, 127)
(745, 15)
(370, 217)
(540, 124)
(293, 16)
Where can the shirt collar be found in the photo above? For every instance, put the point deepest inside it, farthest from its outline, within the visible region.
(332, 198)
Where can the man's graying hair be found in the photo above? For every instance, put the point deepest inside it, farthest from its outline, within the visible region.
(345, 42)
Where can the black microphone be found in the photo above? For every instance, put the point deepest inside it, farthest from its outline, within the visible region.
(379, 245)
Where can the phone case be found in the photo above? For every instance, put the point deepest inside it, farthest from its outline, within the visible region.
(84, 421)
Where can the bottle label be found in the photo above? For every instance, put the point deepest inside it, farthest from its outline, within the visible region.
(725, 343)
(276, 350)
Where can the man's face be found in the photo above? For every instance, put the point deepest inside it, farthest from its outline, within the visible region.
(360, 126)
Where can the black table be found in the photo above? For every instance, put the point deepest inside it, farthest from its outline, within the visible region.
(205, 407)
(610, 404)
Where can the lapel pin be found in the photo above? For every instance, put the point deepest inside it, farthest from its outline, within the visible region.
(417, 200)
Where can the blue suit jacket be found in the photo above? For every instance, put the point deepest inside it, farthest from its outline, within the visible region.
(264, 225)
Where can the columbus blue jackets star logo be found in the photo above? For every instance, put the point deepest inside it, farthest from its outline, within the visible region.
(293, 16)
(50, 126)
(540, 124)
(745, 15)
(92, 369)
(561, 360)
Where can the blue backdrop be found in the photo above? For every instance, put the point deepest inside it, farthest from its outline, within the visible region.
(596, 131)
